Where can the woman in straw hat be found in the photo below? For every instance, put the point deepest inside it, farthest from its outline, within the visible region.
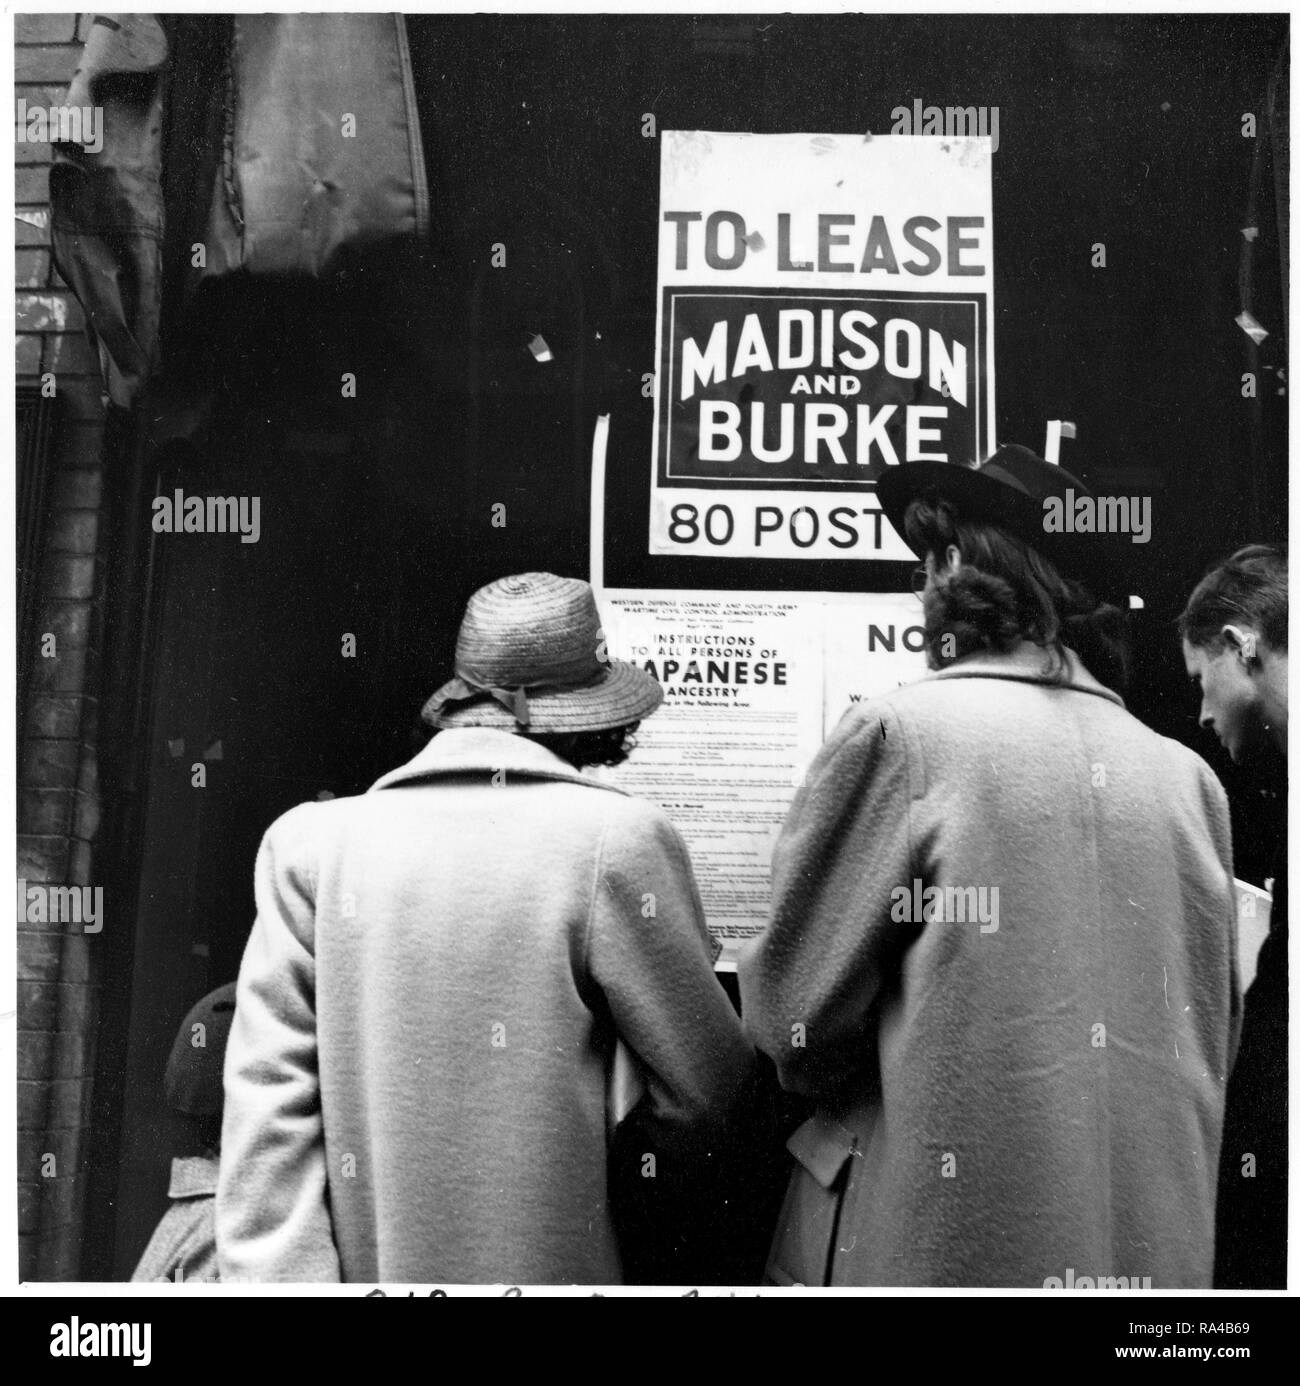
(442, 971)
(1001, 958)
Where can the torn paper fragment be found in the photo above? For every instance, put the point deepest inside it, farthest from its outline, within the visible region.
(1252, 329)
(1056, 430)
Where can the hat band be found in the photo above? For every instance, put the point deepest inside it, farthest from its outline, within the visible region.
(464, 688)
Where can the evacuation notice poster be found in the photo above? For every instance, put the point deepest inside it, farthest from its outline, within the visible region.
(752, 684)
(813, 329)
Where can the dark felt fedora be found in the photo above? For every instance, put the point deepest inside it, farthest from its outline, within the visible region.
(1011, 490)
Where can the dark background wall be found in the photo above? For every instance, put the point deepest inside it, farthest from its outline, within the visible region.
(376, 512)
(1124, 130)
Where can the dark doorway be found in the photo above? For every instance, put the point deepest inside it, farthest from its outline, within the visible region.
(377, 512)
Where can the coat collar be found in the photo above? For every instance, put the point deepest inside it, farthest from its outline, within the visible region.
(193, 1176)
(484, 751)
(1024, 664)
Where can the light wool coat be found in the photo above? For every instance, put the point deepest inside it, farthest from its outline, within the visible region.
(427, 1016)
(996, 1107)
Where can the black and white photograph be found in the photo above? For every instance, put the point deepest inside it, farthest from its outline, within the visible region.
(651, 660)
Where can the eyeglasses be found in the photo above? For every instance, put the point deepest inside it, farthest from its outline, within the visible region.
(920, 577)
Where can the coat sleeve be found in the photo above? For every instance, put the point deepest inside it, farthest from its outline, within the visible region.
(648, 951)
(808, 981)
(273, 1220)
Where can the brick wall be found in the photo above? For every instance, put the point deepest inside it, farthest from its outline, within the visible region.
(57, 790)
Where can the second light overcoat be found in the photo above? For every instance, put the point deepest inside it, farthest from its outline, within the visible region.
(1036, 1087)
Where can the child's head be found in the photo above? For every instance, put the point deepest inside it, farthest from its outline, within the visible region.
(192, 1083)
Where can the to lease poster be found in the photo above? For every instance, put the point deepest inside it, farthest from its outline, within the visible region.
(812, 330)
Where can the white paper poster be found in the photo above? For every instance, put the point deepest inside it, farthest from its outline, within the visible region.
(752, 683)
(814, 328)
(742, 715)
(872, 644)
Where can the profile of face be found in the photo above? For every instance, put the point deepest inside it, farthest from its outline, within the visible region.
(1231, 694)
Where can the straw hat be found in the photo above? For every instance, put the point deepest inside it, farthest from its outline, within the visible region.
(531, 657)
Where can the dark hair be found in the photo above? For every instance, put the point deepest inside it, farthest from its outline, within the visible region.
(1249, 588)
(610, 746)
(1006, 591)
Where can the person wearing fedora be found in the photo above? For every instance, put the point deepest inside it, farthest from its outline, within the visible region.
(459, 981)
(1001, 959)
(1234, 639)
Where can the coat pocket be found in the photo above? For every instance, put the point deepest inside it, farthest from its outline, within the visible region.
(805, 1232)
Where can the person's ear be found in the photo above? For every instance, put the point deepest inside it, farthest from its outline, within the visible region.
(1243, 641)
(954, 558)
